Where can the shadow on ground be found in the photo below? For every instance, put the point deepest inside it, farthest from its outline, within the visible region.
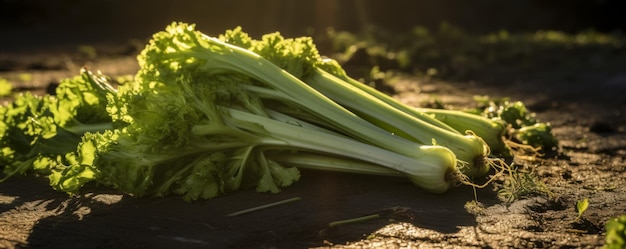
(110, 220)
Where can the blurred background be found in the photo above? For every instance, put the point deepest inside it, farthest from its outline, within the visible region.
(35, 23)
(488, 41)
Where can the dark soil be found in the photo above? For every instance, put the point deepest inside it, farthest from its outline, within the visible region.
(587, 113)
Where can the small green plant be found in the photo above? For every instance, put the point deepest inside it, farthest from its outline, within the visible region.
(519, 184)
(581, 207)
(5, 87)
(25, 77)
(616, 233)
(87, 51)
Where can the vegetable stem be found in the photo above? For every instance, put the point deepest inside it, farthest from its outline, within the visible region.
(468, 148)
(429, 167)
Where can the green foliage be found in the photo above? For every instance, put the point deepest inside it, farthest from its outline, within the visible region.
(522, 125)
(538, 135)
(25, 77)
(616, 233)
(88, 52)
(37, 131)
(6, 88)
(20, 132)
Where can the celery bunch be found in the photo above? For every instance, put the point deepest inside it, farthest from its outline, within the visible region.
(206, 116)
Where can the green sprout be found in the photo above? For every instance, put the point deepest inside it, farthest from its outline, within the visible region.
(581, 207)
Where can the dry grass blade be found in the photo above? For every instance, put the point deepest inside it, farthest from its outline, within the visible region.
(355, 220)
(257, 208)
